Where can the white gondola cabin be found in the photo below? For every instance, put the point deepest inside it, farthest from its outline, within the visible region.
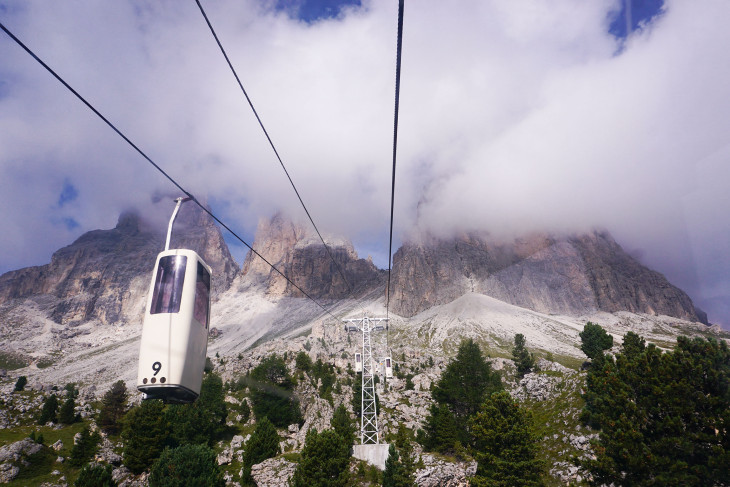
(358, 362)
(388, 367)
(175, 331)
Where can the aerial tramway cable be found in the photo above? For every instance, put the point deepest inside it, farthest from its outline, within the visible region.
(156, 166)
(399, 48)
(271, 143)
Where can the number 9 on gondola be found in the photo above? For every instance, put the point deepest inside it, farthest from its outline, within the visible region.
(175, 331)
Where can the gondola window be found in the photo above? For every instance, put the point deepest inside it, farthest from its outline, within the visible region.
(167, 294)
(202, 291)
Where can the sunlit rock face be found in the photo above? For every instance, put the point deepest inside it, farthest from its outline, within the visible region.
(104, 275)
(556, 275)
(300, 256)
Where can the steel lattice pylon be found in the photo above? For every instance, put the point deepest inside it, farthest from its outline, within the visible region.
(369, 414)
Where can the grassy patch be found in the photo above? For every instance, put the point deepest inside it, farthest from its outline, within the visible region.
(293, 457)
(569, 361)
(43, 463)
(13, 360)
(45, 362)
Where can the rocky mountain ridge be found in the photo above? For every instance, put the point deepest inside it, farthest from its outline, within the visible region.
(301, 257)
(571, 275)
(104, 274)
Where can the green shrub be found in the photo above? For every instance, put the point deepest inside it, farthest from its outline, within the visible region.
(187, 465)
(94, 475)
(20, 383)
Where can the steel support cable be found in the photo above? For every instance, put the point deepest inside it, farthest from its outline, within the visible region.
(271, 143)
(147, 158)
(395, 146)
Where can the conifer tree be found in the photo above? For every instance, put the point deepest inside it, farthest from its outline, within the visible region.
(303, 362)
(594, 340)
(467, 380)
(245, 411)
(187, 465)
(20, 383)
(203, 421)
(505, 445)
(145, 432)
(663, 416)
(67, 413)
(272, 392)
(49, 410)
(441, 430)
(524, 360)
(84, 447)
(343, 425)
(95, 475)
(212, 400)
(405, 449)
(113, 407)
(263, 444)
(325, 461)
(396, 473)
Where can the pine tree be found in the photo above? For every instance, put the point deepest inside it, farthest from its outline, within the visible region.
(187, 465)
(441, 430)
(212, 400)
(245, 411)
(324, 463)
(594, 340)
(94, 475)
(505, 445)
(467, 380)
(303, 362)
(49, 409)
(20, 383)
(145, 432)
(272, 392)
(405, 450)
(113, 407)
(343, 425)
(396, 473)
(67, 413)
(524, 360)
(662, 416)
(203, 421)
(84, 447)
(263, 444)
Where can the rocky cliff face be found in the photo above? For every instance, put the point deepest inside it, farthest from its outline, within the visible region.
(569, 275)
(105, 274)
(302, 258)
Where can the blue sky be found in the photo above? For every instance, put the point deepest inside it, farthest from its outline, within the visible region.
(515, 117)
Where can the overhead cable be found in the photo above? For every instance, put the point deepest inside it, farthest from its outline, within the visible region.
(147, 158)
(399, 47)
(271, 143)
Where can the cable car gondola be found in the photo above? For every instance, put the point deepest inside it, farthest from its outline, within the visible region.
(388, 367)
(175, 331)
